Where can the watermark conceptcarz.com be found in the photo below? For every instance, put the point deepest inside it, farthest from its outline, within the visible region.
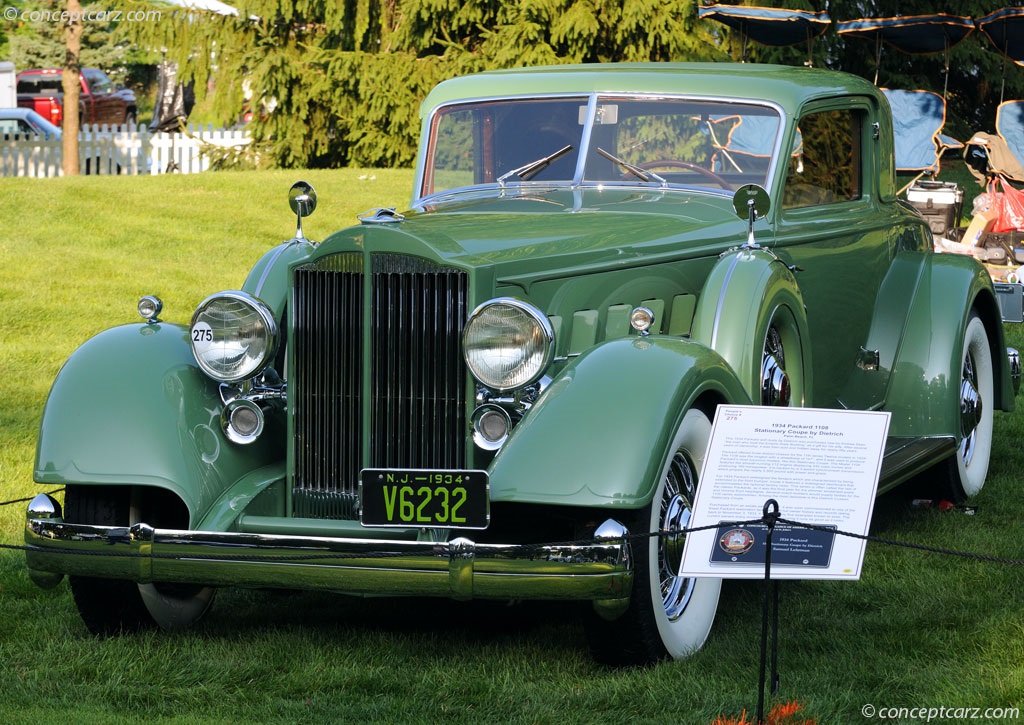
(938, 714)
(44, 15)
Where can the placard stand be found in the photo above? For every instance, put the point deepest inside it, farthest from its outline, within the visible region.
(769, 601)
(823, 465)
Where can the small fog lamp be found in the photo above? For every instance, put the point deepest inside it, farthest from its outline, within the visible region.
(641, 319)
(242, 421)
(491, 425)
(149, 308)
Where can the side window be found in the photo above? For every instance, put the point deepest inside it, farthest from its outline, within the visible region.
(827, 169)
(98, 83)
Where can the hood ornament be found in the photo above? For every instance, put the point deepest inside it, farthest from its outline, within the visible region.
(386, 215)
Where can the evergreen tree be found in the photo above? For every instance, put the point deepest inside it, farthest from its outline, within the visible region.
(332, 83)
(39, 41)
(340, 83)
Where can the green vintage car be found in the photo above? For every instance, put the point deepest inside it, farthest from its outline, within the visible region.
(502, 391)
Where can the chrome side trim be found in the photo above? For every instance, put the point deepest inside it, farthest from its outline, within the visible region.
(460, 569)
(906, 457)
(1014, 359)
(721, 295)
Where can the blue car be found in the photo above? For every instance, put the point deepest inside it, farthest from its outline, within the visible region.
(26, 122)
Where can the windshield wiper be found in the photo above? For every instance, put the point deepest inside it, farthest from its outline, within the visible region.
(642, 174)
(528, 171)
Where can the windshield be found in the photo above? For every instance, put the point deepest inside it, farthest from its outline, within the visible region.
(624, 140)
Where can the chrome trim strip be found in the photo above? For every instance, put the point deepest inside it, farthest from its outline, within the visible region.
(721, 297)
(272, 264)
(460, 568)
(1013, 356)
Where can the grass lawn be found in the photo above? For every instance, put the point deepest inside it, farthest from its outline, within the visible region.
(918, 630)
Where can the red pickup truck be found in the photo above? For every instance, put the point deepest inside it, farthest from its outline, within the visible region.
(99, 102)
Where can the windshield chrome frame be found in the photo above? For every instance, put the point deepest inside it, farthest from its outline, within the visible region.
(593, 98)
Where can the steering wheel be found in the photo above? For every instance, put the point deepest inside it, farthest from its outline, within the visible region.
(678, 164)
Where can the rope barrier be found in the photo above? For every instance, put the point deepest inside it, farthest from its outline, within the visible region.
(25, 500)
(769, 518)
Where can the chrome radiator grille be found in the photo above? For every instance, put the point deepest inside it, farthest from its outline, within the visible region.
(387, 390)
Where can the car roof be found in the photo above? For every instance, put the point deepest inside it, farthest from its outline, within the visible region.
(27, 114)
(788, 86)
(15, 112)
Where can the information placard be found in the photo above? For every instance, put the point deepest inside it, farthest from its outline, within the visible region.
(820, 465)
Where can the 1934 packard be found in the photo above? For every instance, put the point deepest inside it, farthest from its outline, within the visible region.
(502, 391)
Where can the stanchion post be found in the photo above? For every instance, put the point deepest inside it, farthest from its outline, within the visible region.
(770, 600)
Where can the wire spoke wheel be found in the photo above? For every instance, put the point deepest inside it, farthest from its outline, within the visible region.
(965, 472)
(676, 504)
(668, 615)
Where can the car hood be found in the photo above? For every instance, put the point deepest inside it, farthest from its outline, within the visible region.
(543, 231)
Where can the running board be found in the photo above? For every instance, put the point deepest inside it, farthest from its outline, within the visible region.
(906, 457)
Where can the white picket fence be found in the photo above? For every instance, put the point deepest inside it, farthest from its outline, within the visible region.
(119, 150)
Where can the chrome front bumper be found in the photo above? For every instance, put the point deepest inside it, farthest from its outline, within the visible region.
(460, 569)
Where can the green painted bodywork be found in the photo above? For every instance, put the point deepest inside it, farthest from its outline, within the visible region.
(132, 407)
(601, 432)
(270, 279)
(743, 293)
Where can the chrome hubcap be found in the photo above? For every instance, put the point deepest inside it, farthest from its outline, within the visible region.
(680, 486)
(971, 409)
(775, 388)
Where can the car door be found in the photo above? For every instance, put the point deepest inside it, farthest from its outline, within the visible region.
(836, 233)
(106, 107)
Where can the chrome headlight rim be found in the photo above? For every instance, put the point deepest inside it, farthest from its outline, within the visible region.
(546, 349)
(268, 321)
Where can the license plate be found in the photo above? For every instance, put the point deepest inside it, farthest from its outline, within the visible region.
(430, 498)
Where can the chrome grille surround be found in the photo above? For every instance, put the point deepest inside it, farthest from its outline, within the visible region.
(384, 389)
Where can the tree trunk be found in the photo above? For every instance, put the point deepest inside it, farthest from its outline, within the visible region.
(72, 83)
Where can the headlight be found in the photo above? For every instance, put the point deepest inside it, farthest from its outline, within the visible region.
(233, 336)
(507, 343)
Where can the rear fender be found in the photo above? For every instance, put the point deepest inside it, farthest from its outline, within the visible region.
(599, 434)
(131, 407)
(923, 393)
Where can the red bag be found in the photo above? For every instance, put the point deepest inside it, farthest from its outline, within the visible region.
(1009, 206)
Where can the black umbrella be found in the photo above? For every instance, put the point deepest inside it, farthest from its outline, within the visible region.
(770, 26)
(174, 100)
(914, 34)
(1005, 29)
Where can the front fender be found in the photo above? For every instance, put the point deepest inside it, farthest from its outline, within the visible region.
(747, 291)
(270, 278)
(923, 393)
(131, 407)
(599, 434)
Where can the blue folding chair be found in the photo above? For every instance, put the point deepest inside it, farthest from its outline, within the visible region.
(744, 143)
(1010, 126)
(918, 118)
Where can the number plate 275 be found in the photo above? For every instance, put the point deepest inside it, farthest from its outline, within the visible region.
(424, 498)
